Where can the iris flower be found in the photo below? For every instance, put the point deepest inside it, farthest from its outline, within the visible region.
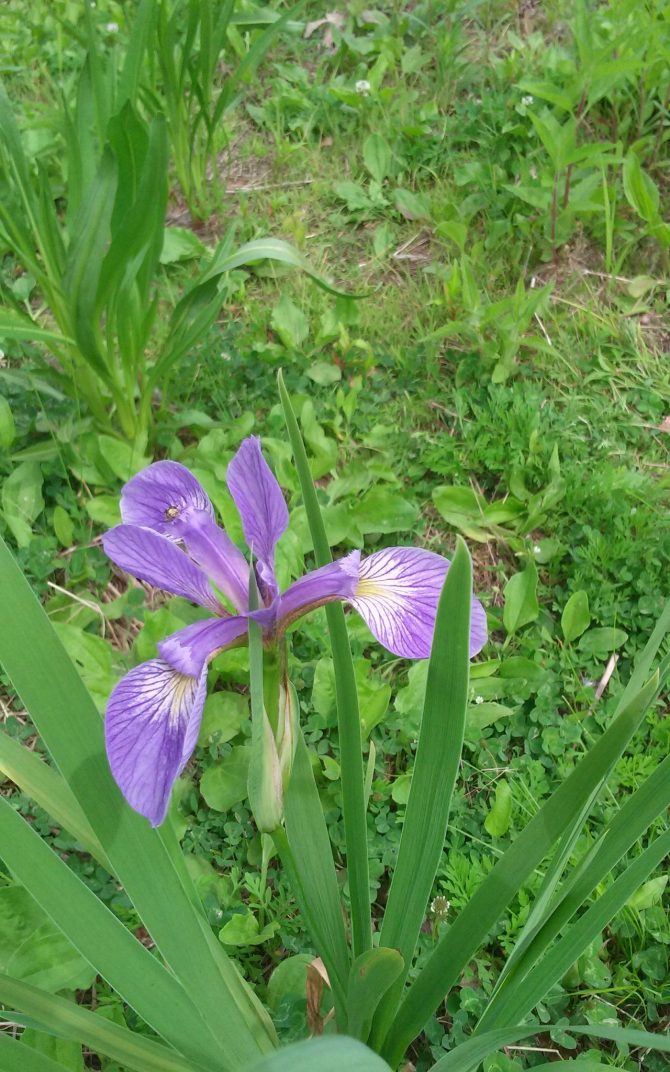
(170, 539)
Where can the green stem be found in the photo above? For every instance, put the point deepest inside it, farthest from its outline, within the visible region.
(348, 718)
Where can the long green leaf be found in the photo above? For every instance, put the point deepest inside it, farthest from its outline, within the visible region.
(72, 731)
(531, 846)
(66, 1019)
(434, 776)
(48, 789)
(348, 718)
(328, 1054)
(372, 976)
(525, 995)
(15, 1057)
(311, 858)
(267, 249)
(636, 815)
(101, 938)
(20, 328)
(469, 1055)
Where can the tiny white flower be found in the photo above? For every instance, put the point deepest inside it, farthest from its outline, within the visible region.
(363, 87)
(633, 509)
(537, 550)
(479, 699)
(527, 101)
(112, 27)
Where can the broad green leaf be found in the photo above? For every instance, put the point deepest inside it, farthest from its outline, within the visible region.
(104, 510)
(224, 783)
(377, 157)
(371, 977)
(180, 244)
(521, 605)
(481, 715)
(410, 205)
(324, 373)
(349, 728)
(123, 458)
(509, 874)
(22, 501)
(93, 658)
(223, 717)
(33, 950)
(7, 425)
(575, 618)
(243, 930)
(640, 190)
(74, 1022)
(602, 641)
(328, 1054)
(648, 894)
(498, 819)
(289, 977)
(433, 778)
(464, 509)
(290, 323)
(385, 511)
(63, 526)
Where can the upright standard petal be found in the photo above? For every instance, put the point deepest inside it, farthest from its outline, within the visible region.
(397, 594)
(261, 506)
(189, 648)
(151, 727)
(153, 558)
(159, 496)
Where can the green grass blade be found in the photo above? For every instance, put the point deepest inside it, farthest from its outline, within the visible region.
(72, 731)
(531, 846)
(311, 859)
(636, 815)
(68, 1020)
(15, 1057)
(101, 938)
(435, 771)
(348, 718)
(142, 30)
(327, 1054)
(48, 789)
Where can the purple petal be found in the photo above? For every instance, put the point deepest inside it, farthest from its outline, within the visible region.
(167, 497)
(213, 549)
(397, 595)
(151, 727)
(158, 497)
(261, 505)
(189, 648)
(337, 580)
(153, 558)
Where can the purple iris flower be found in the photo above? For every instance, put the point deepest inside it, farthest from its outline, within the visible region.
(169, 538)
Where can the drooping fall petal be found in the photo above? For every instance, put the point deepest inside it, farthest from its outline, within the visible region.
(151, 727)
(397, 593)
(188, 648)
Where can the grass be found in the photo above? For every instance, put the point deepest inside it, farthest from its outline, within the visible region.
(513, 347)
